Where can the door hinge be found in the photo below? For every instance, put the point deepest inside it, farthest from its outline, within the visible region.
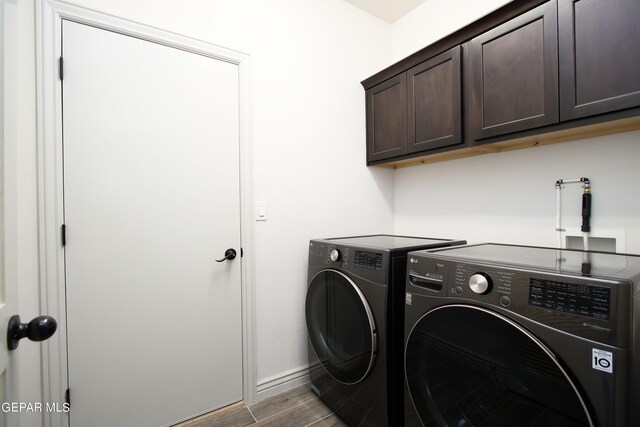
(63, 234)
(67, 397)
(61, 68)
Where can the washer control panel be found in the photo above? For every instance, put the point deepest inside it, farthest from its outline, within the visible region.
(582, 305)
(584, 300)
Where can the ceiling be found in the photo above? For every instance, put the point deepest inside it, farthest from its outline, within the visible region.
(387, 10)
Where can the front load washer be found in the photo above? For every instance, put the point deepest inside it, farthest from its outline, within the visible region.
(504, 335)
(354, 314)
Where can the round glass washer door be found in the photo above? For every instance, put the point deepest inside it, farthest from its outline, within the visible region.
(341, 326)
(469, 367)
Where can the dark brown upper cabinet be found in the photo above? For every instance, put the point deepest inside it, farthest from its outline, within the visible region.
(531, 72)
(387, 119)
(434, 102)
(599, 43)
(513, 75)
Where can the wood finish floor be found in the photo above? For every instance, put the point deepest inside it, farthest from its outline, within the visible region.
(298, 407)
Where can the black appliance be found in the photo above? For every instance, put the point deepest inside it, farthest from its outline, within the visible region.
(354, 315)
(505, 335)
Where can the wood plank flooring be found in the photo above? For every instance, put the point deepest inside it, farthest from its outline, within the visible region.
(298, 407)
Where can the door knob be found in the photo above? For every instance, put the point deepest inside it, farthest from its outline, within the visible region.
(39, 329)
(228, 255)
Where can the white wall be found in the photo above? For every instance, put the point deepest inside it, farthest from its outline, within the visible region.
(433, 20)
(510, 197)
(308, 134)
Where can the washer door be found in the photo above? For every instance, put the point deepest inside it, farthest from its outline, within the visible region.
(341, 327)
(467, 366)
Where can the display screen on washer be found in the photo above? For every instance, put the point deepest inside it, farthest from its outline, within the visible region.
(584, 300)
(372, 260)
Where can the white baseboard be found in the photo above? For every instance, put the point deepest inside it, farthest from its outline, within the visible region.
(282, 382)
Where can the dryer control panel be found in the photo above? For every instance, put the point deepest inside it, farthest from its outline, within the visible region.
(346, 257)
(366, 264)
(366, 259)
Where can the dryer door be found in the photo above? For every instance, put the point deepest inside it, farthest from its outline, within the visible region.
(341, 326)
(467, 366)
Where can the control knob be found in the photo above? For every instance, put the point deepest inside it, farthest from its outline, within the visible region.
(335, 255)
(480, 283)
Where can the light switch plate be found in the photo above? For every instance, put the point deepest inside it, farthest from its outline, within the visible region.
(261, 211)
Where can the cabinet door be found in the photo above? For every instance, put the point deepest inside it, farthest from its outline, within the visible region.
(513, 75)
(387, 119)
(434, 104)
(599, 56)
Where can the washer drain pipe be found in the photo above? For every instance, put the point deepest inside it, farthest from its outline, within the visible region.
(586, 209)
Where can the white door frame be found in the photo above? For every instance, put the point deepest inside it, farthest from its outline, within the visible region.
(49, 15)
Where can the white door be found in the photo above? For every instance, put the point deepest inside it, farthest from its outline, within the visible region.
(10, 414)
(151, 199)
(7, 288)
(5, 314)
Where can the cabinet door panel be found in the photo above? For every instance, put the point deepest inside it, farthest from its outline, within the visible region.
(513, 72)
(387, 119)
(434, 104)
(599, 56)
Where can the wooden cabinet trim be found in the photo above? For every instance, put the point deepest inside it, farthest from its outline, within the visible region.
(552, 136)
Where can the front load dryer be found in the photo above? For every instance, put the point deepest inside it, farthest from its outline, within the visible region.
(503, 335)
(354, 317)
